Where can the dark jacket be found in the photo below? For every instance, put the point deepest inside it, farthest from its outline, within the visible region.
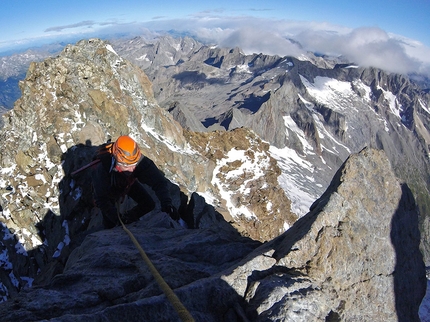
(110, 185)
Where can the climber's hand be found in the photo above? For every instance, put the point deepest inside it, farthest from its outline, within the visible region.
(171, 211)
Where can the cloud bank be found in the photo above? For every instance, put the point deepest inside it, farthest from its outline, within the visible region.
(366, 46)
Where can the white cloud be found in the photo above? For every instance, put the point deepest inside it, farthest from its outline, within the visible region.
(366, 46)
(257, 40)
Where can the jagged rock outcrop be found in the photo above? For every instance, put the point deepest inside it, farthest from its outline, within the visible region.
(363, 218)
(354, 257)
(81, 98)
(255, 191)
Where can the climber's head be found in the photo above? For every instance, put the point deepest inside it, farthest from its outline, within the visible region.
(126, 152)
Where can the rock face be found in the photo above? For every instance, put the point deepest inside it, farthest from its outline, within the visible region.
(349, 251)
(354, 257)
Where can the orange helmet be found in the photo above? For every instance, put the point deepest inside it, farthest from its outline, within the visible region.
(125, 150)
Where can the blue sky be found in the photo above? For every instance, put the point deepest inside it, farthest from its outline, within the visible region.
(398, 30)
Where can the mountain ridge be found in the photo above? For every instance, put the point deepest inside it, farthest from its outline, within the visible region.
(313, 112)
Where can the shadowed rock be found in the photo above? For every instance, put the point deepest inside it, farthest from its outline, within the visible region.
(354, 257)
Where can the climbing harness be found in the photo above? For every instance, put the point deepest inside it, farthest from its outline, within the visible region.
(171, 296)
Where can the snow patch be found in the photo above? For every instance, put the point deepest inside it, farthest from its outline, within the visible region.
(20, 249)
(28, 280)
(109, 47)
(291, 180)
(248, 166)
(6, 233)
(425, 108)
(13, 279)
(6, 173)
(331, 92)
(309, 105)
(64, 242)
(394, 105)
(142, 58)
(243, 69)
(40, 177)
(292, 126)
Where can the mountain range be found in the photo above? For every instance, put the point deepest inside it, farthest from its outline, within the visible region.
(313, 111)
(250, 144)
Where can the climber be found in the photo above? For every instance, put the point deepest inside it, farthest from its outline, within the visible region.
(121, 172)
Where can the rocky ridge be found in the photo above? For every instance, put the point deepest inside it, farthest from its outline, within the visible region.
(80, 99)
